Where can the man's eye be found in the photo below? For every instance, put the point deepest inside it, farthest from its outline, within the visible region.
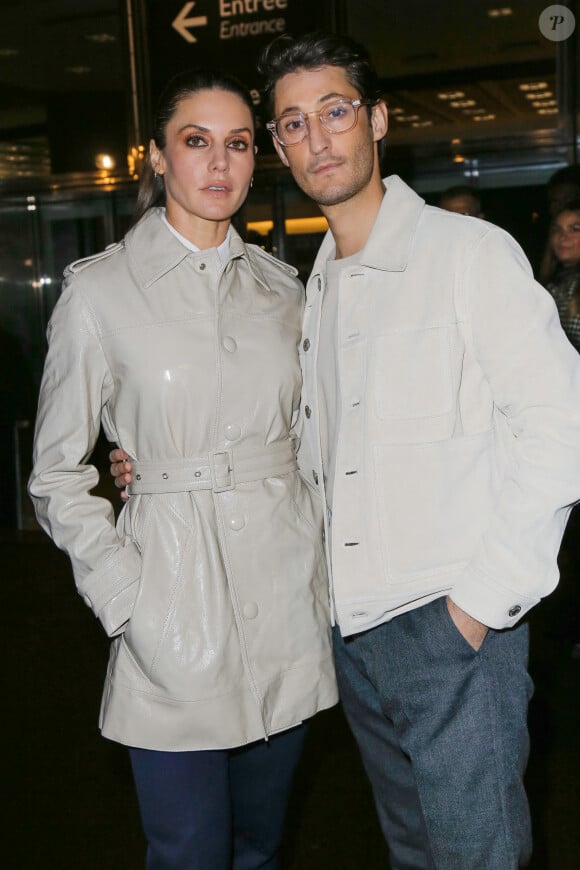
(291, 125)
(333, 113)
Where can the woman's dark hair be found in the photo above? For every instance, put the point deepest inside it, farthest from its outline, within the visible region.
(287, 54)
(185, 84)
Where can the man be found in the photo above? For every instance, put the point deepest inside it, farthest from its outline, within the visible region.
(461, 199)
(441, 407)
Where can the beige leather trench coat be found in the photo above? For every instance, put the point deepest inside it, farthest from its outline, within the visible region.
(213, 583)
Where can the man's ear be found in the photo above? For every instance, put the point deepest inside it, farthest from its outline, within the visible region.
(280, 151)
(379, 120)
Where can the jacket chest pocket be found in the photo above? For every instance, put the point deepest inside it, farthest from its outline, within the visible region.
(412, 374)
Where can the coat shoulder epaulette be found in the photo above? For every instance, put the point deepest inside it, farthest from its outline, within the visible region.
(84, 262)
(274, 261)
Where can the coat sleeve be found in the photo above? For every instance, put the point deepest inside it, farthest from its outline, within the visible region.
(75, 386)
(534, 376)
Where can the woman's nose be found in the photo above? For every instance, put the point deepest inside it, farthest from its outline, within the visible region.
(219, 160)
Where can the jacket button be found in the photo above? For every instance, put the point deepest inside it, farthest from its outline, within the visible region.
(306, 344)
(315, 476)
(236, 522)
(513, 611)
(307, 411)
(201, 267)
(250, 609)
(229, 344)
(233, 432)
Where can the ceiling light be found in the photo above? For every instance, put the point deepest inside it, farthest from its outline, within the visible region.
(104, 161)
(397, 111)
(101, 38)
(501, 12)
(489, 117)
(533, 86)
(450, 95)
(462, 104)
(475, 111)
(408, 118)
(456, 141)
(78, 70)
(459, 158)
(543, 104)
(422, 124)
(539, 96)
(547, 111)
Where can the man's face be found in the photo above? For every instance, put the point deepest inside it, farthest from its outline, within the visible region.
(330, 167)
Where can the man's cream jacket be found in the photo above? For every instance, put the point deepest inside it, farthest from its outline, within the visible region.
(458, 454)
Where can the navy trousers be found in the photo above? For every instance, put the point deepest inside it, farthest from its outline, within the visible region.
(442, 733)
(216, 809)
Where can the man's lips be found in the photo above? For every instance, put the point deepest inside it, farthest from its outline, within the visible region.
(327, 166)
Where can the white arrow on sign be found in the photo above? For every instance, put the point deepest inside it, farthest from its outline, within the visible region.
(182, 22)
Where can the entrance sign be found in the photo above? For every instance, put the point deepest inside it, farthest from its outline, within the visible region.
(182, 22)
(225, 34)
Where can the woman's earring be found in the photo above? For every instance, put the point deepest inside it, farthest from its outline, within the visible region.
(252, 181)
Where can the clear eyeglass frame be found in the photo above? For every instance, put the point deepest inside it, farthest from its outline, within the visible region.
(322, 116)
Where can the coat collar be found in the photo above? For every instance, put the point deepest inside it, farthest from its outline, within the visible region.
(389, 244)
(154, 251)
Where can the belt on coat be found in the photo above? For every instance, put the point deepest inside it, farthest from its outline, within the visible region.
(220, 471)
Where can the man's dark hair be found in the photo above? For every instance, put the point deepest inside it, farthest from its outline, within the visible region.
(287, 54)
(460, 190)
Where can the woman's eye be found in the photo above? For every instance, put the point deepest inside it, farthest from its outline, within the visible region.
(239, 144)
(195, 141)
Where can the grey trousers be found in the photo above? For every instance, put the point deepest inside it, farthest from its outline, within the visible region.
(443, 737)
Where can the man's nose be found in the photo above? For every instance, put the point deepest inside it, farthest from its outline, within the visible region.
(318, 137)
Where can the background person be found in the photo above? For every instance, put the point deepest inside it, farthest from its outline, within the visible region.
(182, 341)
(461, 199)
(562, 277)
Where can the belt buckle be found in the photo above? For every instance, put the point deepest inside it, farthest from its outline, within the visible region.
(226, 487)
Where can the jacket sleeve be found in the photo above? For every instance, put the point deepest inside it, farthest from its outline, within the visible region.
(534, 376)
(75, 386)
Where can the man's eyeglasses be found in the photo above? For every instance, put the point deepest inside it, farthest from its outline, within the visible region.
(337, 117)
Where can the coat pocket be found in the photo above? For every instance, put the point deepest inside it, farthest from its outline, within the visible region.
(433, 503)
(412, 374)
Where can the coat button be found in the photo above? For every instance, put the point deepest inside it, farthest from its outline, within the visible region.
(306, 344)
(250, 609)
(236, 522)
(307, 411)
(232, 431)
(513, 611)
(229, 344)
(202, 267)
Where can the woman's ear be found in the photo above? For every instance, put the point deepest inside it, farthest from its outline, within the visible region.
(156, 158)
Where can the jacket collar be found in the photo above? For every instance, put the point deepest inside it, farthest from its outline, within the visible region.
(389, 244)
(154, 251)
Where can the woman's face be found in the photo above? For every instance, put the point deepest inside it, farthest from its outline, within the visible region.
(208, 159)
(565, 237)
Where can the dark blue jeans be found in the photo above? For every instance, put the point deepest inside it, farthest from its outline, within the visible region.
(216, 809)
(442, 733)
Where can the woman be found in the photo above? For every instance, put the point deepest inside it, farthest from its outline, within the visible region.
(563, 274)
(182, 341)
